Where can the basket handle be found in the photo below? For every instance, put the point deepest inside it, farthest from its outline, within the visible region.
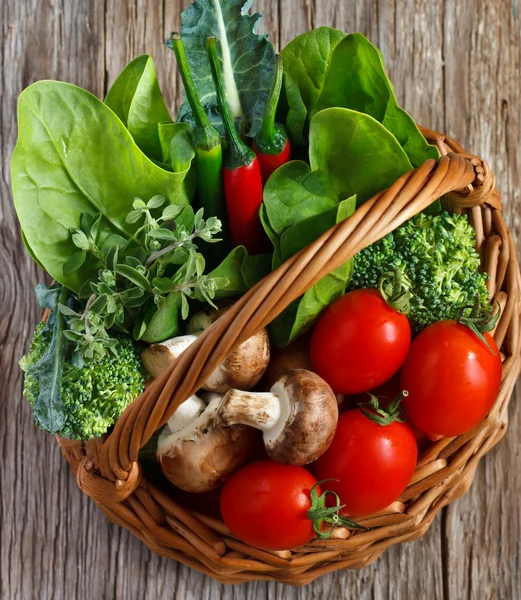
(454, 176)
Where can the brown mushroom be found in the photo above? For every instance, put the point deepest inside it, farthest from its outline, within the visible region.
(197, 456)
(298, 416)
(242, 369)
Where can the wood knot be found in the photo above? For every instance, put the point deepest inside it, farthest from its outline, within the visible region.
(102, 490)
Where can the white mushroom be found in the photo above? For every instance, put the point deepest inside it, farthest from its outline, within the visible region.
(197, 456)
(242, 369)
(298, 417)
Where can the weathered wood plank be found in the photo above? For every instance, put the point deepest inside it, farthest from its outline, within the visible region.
(455, 67)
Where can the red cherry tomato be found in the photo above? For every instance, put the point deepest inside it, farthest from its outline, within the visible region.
(373, 463)
(359, 342)
(452, 378)
(265, 505)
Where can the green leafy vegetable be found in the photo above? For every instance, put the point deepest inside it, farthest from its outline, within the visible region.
(136, 98)
(75, 157)
(241, 271)
(299, 316)
(91, 396)
(45, 370)
(356, 79)
(247, 59)
(325, 68)
(144, 282)
(176, 145)
(349, 154)
(306, 61)
(436, 255)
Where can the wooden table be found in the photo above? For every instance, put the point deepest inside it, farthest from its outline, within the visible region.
(456, 67)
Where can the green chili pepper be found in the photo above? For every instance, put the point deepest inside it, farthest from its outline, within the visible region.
(207, 145)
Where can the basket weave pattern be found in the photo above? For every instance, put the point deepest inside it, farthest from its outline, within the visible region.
(108, 469)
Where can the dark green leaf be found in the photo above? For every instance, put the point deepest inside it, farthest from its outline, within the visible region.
(247, 59)
(48, 407)
(134, 276)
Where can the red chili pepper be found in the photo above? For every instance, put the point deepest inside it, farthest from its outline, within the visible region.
(271, 145)
(242, 174)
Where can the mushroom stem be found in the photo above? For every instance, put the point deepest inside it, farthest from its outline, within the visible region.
(262, 410)
(297, 417)
(186, 413)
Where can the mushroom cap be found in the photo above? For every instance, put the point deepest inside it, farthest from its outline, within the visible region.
(157, 358)
(244, 366)
(200, 457)
(311, 422)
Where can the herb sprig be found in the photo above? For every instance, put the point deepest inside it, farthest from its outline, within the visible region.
(137, 275)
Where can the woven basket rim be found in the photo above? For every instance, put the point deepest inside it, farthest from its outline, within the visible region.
(108, 470)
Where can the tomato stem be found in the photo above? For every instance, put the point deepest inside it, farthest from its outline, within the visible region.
(384, 416)
(479, 320)
(320, 513)
(395, 288)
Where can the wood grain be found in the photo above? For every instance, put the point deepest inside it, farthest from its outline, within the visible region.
(456, 67)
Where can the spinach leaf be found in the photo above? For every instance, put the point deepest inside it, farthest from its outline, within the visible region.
(176, 145)
(306, 61)
(325, 68)
(356, 79)
(136, 98)
(247, 59)
(350, 153)
(75, 157)
(242, 272)
(48, 407)
(299, 316)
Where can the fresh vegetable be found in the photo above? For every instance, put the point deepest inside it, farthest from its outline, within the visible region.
(359, 342)
(299, 316)
(86, 399)
(297, 417)
(453, 379)
(242, 176)
(277, 507)
(195, 455)
(242, 271)
(206, 141)
(371, 459)
(73, 157)
(271, 144)
(145, 281)
(349, 154)
(437, 255)
(242, 368)
(247, 60)
(326, 68)
(136, 98)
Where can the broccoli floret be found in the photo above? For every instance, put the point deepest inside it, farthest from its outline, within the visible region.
(94, 395)
(437, 253)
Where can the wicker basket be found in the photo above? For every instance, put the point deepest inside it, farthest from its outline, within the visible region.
(109, 472)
